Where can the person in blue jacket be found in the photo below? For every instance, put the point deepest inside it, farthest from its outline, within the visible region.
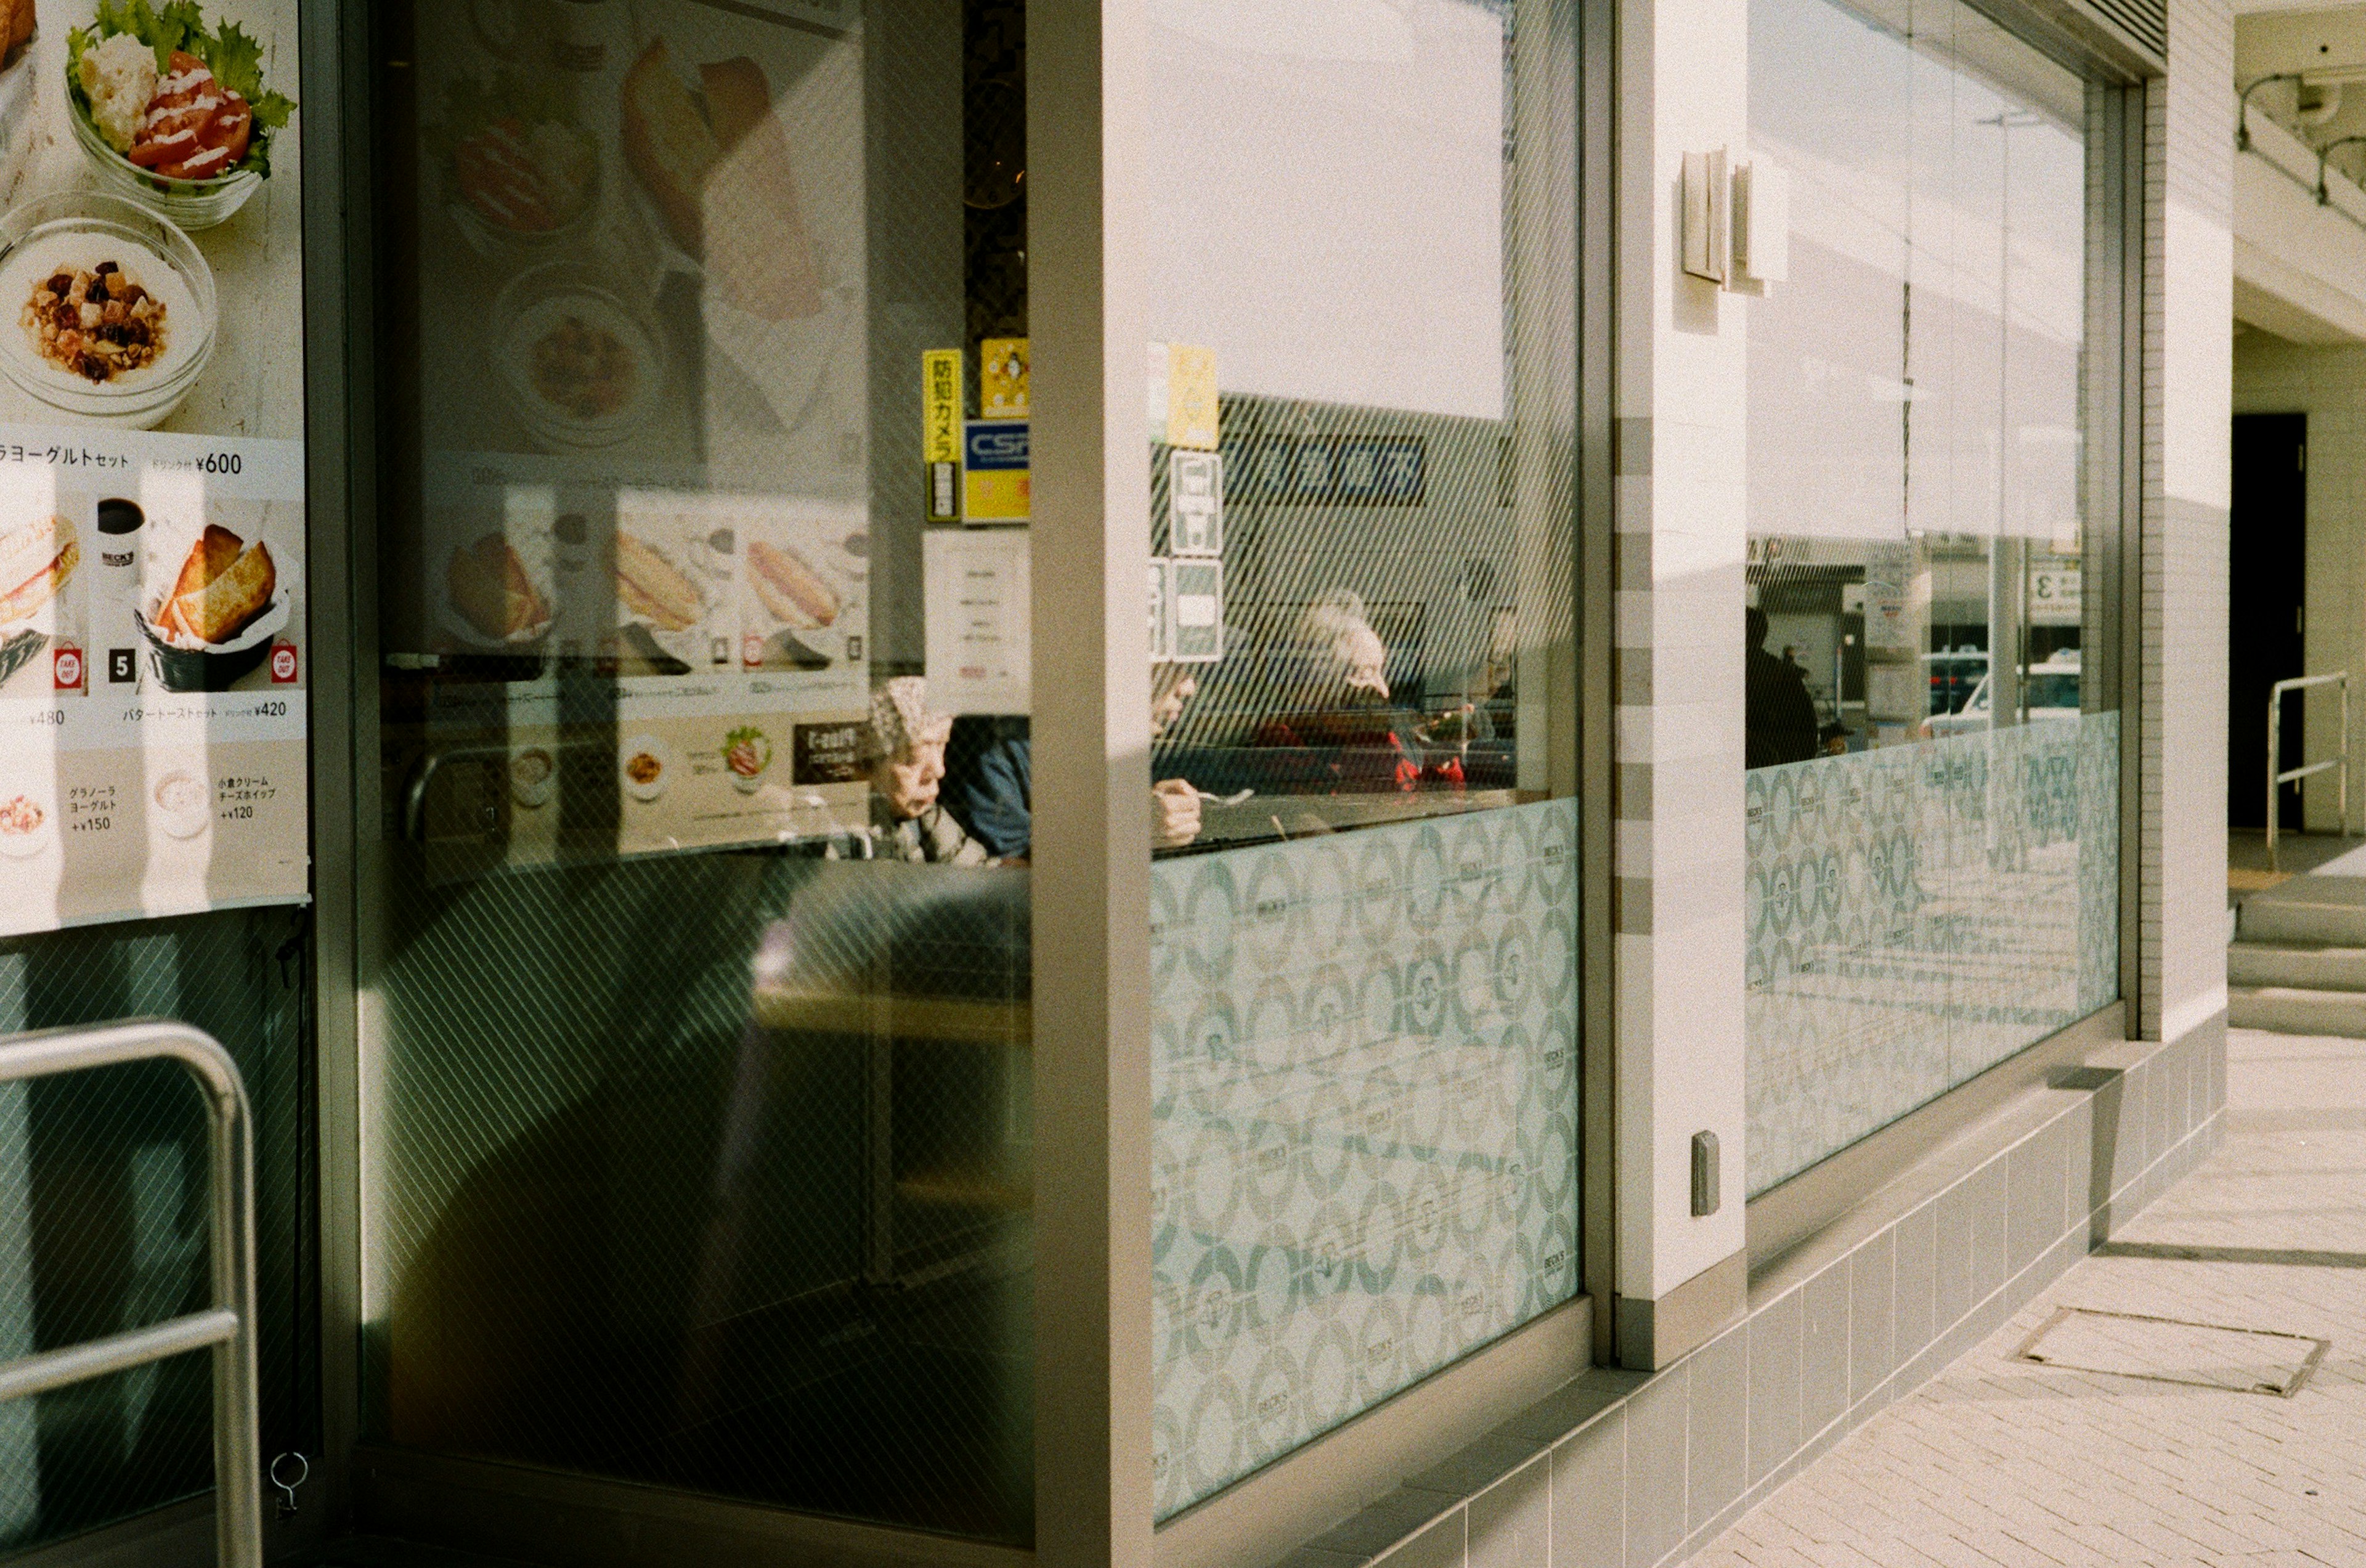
(990, 775)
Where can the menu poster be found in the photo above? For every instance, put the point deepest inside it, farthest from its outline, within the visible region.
(153, 605)
(723, 636)
(153, 672)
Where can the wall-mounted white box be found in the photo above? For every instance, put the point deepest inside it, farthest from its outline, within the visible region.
(1707, 215)
(1761, 223)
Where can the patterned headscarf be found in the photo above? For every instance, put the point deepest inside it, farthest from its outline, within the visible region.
(900, 718)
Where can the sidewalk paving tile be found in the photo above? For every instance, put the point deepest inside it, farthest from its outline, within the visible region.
(2001, 1463)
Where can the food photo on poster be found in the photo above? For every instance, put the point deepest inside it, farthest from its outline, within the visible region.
(707, 625)
(635, 599)
(153, 597)
(657, 221)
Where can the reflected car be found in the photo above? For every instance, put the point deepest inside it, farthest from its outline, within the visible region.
(1952, 677)
(2050, 691)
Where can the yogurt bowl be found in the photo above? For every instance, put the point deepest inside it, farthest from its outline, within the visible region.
(74, 231)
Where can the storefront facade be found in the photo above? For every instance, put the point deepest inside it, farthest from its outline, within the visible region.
(969, 782)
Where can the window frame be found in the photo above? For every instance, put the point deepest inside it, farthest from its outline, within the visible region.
(1793, 1211)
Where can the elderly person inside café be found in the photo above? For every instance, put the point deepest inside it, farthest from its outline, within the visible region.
(907, 764)
(992, 789)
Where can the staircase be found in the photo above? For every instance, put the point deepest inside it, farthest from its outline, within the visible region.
(2298, 961)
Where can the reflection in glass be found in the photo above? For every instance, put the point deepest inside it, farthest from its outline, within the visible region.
(702, 1149)
(103, 1211)
(1364, 908)
(1931, 835)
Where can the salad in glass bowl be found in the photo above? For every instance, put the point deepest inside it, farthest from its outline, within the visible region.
(747, 752)
(171, 111)
(520, 174)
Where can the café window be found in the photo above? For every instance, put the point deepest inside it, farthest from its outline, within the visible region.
(1360, 404)
(1933, 792)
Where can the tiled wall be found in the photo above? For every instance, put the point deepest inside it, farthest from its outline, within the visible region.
(1620, 1470)
(2188, 402)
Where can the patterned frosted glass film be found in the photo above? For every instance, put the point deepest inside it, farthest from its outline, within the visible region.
(1915, 915)
(1364, 1122)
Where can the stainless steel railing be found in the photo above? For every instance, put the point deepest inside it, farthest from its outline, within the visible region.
(229, 1325)
(2276, 780)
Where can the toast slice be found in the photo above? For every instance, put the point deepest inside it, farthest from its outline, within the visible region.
(667, 144)
(222, 588)
(216, 550)
(756, 243)
(490, 586)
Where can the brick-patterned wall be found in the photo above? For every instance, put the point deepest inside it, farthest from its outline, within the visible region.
(2188, 391)
(1678, 503)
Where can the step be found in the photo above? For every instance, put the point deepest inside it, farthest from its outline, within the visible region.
(2306, 966)
(2290, 1010)
(2325, 911)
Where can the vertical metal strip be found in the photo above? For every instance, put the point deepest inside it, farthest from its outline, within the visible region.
(2128, 124)
(334, 40)
(1087, 122)
(238, 1462)
(1597, 542)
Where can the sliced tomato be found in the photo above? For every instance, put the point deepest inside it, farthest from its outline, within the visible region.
(232, 126)
(205, 163)
(193, 129)
(498, 178)
(172, 132)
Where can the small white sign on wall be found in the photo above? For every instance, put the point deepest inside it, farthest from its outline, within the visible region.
(976, 584)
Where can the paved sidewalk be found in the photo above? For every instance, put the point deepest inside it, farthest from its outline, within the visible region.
(2005, 1463)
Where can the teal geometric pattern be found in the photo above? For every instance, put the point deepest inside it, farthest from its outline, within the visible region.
(1364, 1122)
(1915, 915)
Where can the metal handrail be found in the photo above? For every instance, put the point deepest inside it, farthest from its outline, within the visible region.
(229, 1325)
(2276, 780)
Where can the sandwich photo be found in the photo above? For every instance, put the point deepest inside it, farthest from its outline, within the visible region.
(716, 165)
(224, 584)
(791, 589)
(653, 588)
(493, 593)
(35, 559)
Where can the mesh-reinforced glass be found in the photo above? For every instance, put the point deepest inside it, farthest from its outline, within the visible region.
(698, 1023)
(103, 1211)
(1362, 391)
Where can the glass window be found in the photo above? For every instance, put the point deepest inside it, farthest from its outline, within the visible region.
(701, 1150)
(103, 1211)
(1934, 786)
(1361, 398)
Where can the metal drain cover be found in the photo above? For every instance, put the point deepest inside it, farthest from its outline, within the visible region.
(2167, 1349)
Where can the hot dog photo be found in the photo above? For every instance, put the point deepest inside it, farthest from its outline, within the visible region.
(803, 572)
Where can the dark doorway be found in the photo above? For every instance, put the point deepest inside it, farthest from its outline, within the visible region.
(2267, 579)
